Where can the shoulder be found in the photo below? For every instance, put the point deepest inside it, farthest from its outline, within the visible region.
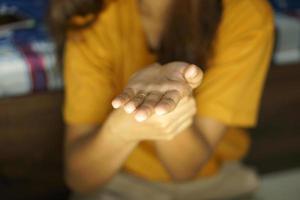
(105, 30)
(246, 27)
(116, 15)
(251, 13)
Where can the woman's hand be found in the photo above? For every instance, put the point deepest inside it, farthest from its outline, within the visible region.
(156, 127)
(158, 89)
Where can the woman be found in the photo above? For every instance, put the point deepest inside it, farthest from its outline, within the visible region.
(172, 129)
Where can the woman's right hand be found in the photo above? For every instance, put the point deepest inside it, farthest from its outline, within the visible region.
(164, 127)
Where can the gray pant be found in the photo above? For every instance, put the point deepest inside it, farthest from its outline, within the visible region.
(234, 180)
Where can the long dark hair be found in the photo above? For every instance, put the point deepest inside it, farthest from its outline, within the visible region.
(189, 34)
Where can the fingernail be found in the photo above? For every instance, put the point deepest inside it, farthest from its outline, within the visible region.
(129, 108)
(116, 104)
(160, 111)
(191, 72)
(140, 116)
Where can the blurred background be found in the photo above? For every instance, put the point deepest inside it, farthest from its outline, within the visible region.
(31, 96)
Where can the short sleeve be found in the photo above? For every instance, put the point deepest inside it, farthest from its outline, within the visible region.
(88, 79)
(234, 79)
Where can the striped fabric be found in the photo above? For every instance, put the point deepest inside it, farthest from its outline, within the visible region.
(27, 67)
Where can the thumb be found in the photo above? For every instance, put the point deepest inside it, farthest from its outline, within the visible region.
(193, 75)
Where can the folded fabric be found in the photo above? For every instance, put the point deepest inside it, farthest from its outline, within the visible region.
(27, 55)
(27, 67)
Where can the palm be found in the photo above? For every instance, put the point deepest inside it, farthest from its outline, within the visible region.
(158, 89)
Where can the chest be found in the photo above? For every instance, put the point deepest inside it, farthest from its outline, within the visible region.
(139, 30)
(154, 15)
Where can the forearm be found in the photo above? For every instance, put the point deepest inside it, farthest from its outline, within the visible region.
(184, 156)
(91, 161)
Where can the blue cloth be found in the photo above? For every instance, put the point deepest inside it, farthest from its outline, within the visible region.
(35, 9)
(285, 5)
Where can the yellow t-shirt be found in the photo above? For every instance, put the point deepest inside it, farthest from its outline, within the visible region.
(97, 68)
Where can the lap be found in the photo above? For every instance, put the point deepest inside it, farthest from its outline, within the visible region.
(233, 180)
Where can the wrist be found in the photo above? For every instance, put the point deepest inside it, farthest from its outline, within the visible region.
(115, 137)
(119, 126)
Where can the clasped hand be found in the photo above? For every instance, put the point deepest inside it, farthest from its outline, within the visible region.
(161, 98)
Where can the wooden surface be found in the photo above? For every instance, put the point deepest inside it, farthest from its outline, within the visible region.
(276, 140)
(31, 147)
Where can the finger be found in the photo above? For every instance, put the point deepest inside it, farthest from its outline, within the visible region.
(168, 102)
(186, 124)
(178, 125)
(146, 109)
(123, 98)
(185, 112)
(193, 76)
(135, 102)
(175, 70)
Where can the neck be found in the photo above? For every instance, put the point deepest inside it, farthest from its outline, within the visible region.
(154, 15)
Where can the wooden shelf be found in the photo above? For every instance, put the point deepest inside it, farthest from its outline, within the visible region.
(276, 140)
(31, 147)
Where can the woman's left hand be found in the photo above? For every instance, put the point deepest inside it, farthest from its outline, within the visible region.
(158, 89)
